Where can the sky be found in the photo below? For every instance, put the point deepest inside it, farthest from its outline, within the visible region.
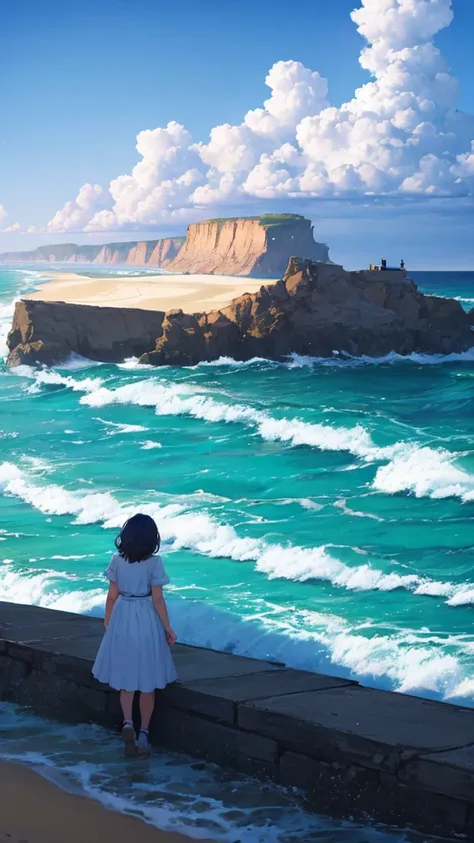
(128, 119)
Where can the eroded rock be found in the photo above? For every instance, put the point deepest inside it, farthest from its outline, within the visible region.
(317, 309)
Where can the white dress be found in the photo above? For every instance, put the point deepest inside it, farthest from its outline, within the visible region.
(134, 654)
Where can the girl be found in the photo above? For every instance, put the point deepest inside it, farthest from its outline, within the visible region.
(135, 652)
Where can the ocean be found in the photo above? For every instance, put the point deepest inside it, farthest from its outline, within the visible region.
(314, 512)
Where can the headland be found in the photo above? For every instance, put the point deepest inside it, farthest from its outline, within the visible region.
(316, 309)
(258, 247)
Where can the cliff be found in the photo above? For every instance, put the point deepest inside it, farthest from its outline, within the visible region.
(49, 332)
(315, 309)
(157, 253)
(258, 246)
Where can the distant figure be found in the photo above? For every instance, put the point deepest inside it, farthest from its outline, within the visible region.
(402, 264)
(384, 263)
(135, 651)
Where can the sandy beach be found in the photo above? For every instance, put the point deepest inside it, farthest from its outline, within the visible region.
(33, 810)
(191, 293)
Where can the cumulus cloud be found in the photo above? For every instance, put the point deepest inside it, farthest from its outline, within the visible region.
(75, 214)
(400, 135)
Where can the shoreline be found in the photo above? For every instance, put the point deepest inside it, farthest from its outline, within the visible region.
(161, 292)
(54, 815)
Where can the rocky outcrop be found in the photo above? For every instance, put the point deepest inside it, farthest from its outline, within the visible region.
(49, 332)
(317, 309)
(157, 253)
(260, 247)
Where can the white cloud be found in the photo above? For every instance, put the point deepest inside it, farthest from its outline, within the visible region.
(75, 214)
(9, 228)
(296, 92)
(399, 135)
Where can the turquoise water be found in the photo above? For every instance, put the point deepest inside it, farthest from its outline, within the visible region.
(318, 513)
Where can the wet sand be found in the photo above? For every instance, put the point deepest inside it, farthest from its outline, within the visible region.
(33, 810)
(191, 293)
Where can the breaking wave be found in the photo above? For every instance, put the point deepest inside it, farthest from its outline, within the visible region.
(425, 472)
(184, 399)
(185, 527)
(397, 661)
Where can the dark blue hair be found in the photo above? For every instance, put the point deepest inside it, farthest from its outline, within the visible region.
(138, 539)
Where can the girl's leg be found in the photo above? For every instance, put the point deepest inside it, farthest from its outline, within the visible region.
(147, 705)
(126, 701)
(128, 732)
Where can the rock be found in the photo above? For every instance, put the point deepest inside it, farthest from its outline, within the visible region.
(49, 332)
(318, 308)
(259, 246)
(29, 353)
(315, 310)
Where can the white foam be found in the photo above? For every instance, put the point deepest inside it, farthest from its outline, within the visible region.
(171, 792)
(50, 377)
(229, 361)
(185, 527)
(123, 428)
(132, 364)
(297, 361)
(325, 643)
(184, 399)
(150, 446)
(49, 589)
(425, 472)
(464, 300)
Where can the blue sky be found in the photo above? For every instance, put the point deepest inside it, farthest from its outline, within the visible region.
(81, 80)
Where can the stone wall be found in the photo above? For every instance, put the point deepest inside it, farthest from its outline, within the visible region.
(355, 752)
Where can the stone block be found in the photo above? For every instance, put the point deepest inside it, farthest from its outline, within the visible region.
(206, 739)
(12, 674)
(348, 791)
(193, 663)
(53, 697)
(69, 668)
(405, 805)
(217, 697)
(450, 773)
(358, 725)
(20, 651)
(83, 646)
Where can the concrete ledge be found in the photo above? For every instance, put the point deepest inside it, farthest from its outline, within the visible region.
(355, 752)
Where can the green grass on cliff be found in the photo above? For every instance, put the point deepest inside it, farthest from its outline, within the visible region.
(266, 219)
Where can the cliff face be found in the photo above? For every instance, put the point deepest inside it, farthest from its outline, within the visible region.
(157, 253)
(49, 332)
(259, 247)
(315, 309)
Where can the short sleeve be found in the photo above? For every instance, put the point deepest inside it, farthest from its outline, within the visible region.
(111, 572)
(158, 574)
